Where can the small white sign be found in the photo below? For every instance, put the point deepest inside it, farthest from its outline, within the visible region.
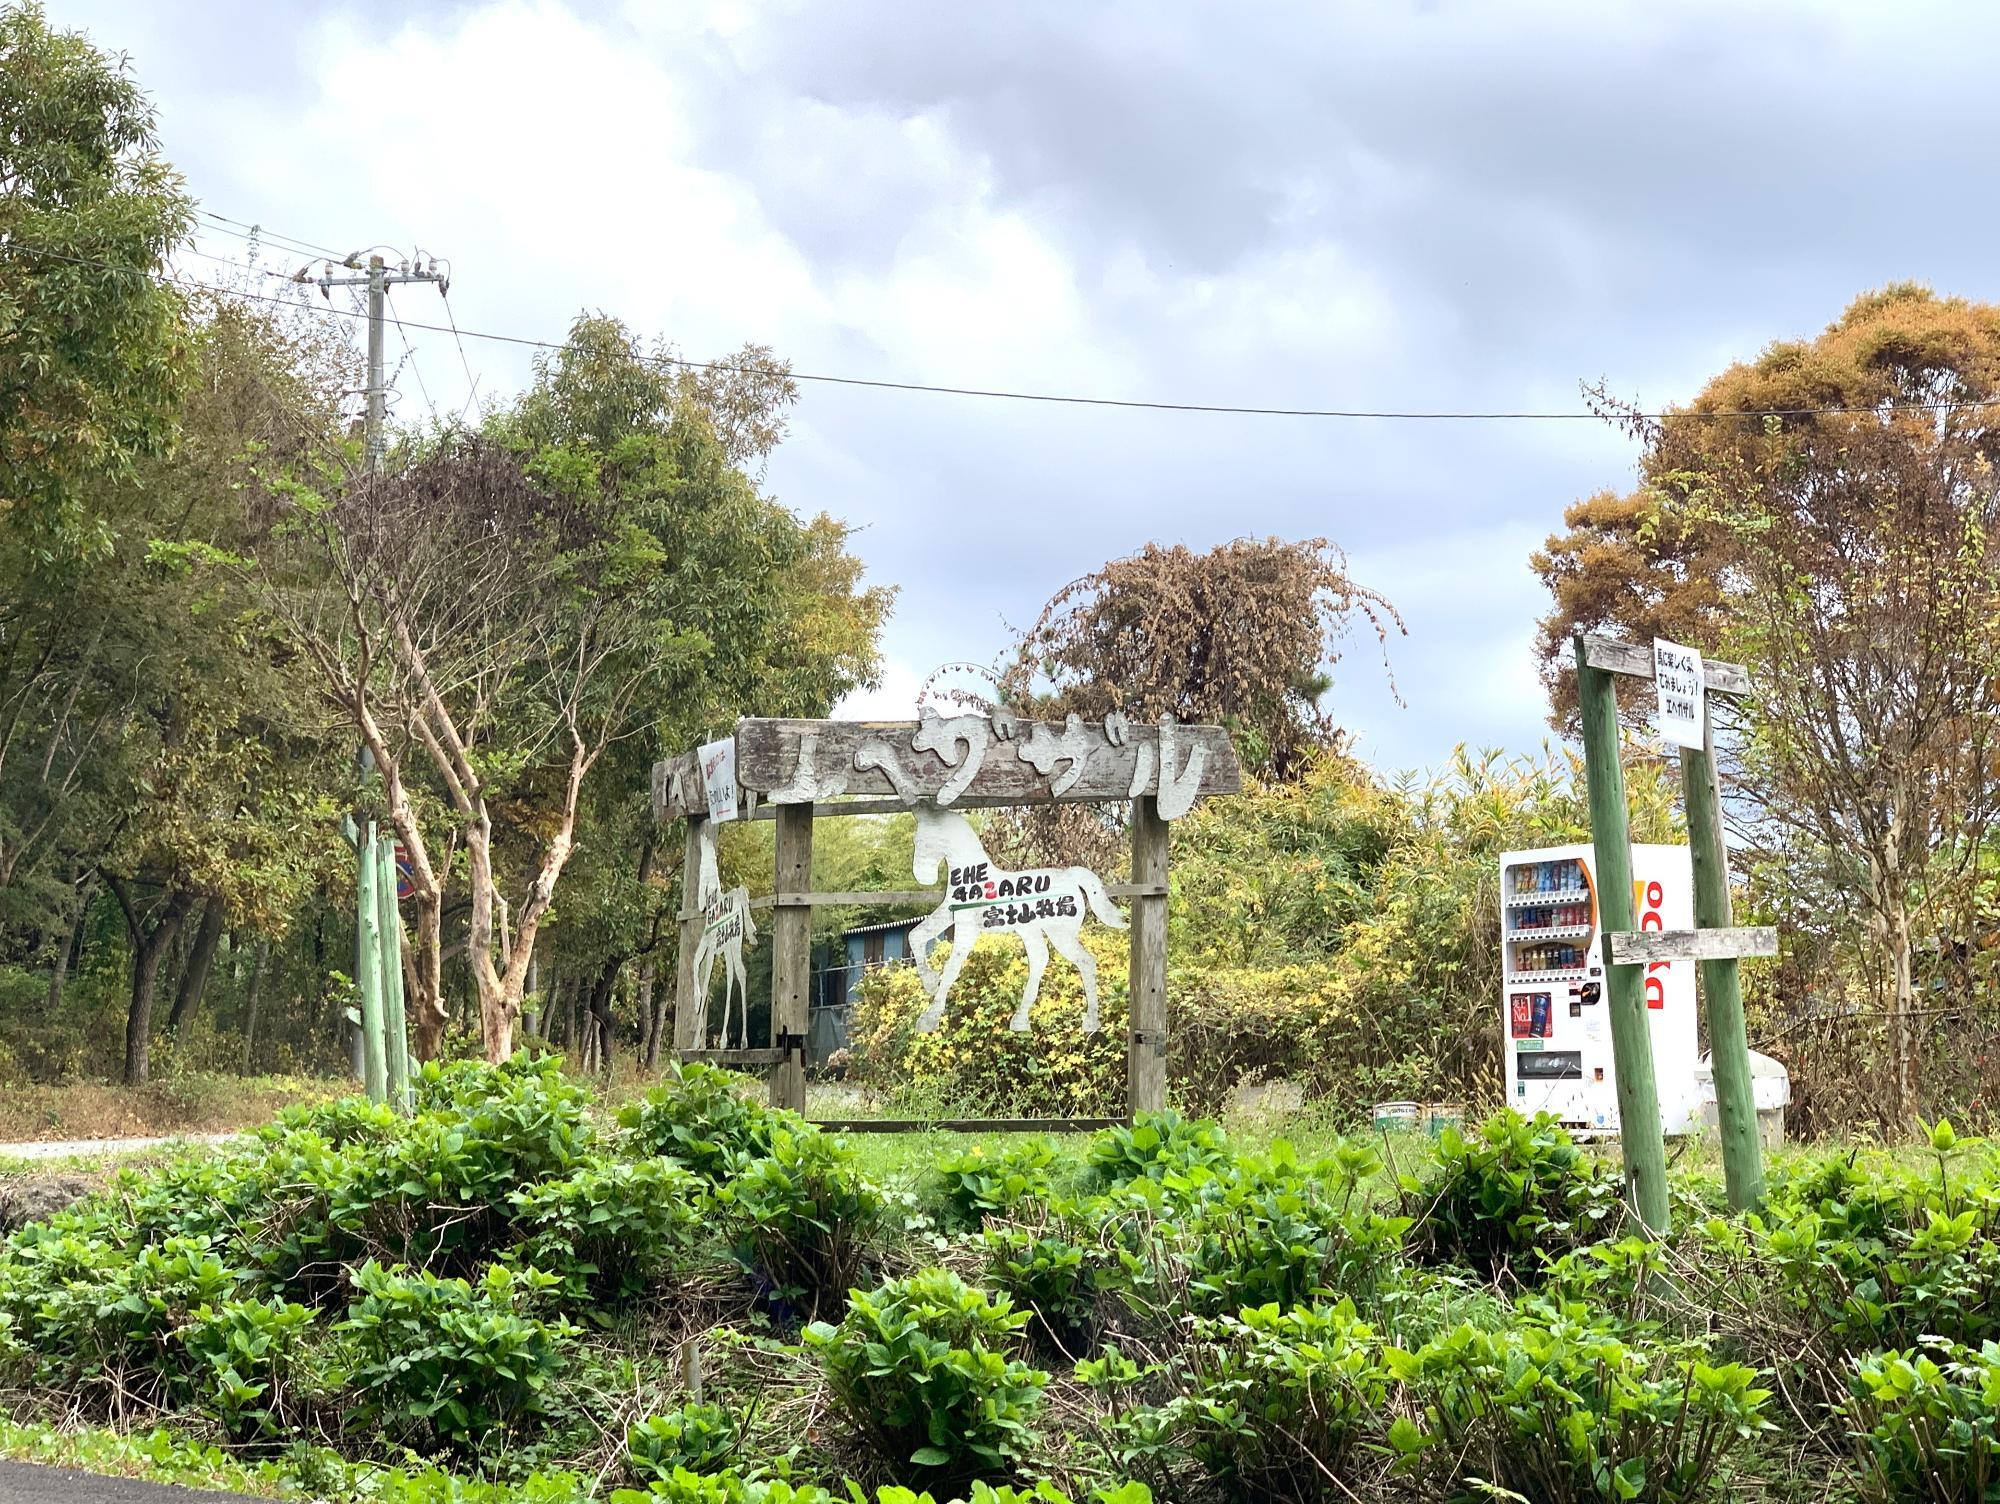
(718, 776)
(1677, 674)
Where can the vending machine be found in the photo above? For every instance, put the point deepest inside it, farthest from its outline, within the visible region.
(1555, 1022)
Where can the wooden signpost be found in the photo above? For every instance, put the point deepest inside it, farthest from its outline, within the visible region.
(1713, 944)
(794, 771)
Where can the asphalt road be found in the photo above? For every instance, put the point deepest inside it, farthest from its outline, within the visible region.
(21, 1483)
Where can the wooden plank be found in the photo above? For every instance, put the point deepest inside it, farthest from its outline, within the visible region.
(690, 1012)
(1146, 1046)
(911, 896)
(1635, 948)
(749, 1059)
(969, 1125)
(1635, 660)
(1024, 767)
(677, 787)
(791, 956)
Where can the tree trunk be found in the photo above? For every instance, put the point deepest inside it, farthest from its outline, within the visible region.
(601, 1022)
(250, 1005)
(200, 962)
(1902, 1023)
(149, 948)
(649, 1019)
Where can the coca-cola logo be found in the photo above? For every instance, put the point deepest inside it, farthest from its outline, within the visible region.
(1648, 898)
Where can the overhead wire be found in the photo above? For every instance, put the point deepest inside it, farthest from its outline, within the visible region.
(1438, 415)
(409, 351)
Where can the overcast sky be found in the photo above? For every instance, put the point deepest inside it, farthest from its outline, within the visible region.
(1450, 205)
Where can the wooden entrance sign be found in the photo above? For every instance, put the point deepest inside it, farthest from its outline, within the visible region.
(794, 771)
(1715, 945)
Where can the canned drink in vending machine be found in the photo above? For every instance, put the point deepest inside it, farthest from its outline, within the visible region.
(1540, 1016)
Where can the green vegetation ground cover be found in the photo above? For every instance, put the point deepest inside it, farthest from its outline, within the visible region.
(521, 1293)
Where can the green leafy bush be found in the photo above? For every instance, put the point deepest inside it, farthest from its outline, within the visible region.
(1928, 1427)
(105, 1323)
(1158, 1146)
(250, 1365)
(922, 1370)
(978, 1184)
(697, 1438)
(1055, 1280)
(606, 1229)
(804, 1217)
(457, 1362)
(705, 1120)
(1276, 1401)
(1560, 1411)
(1509, 1195)
(728, 1488)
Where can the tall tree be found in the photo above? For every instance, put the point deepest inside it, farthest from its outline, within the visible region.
(1245, 635)
(1838, 497)
(91, 346)
(505, 611)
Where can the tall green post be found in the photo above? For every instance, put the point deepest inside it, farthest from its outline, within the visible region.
(395, 1026)
(1721, 986)
(1640, 1135)
(368, 913)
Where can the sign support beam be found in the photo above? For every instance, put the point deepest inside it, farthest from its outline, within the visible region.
(1640, 1136)
(1721, 986)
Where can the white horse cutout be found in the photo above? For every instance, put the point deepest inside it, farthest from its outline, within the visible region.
(725, 928)
(1045, 906)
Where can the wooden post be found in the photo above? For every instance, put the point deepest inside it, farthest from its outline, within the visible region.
(690, 1012)
(1640, 1135)
(791, 954)
(368, 914)
(395, 1024)
(1721, 986)
(1146, 1047)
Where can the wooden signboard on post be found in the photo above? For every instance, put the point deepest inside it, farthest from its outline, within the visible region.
(1714, 944)
(793, 771)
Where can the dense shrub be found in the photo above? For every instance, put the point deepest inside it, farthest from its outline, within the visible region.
(457, 1363)
(1157, 1146)
(1054, 1279)
(705, 1119)
(922, 1370)
(608, 1228)
(1507, 1196)
(1560, 1410)
(804, 1218)
(696, 1438)
(107, 1324)
(1277, 1401)
(979, 1182)
(1927, 1424)
(685, 1487)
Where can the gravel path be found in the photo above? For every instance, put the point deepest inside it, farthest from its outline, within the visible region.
(67, 1148)
(23, 1483)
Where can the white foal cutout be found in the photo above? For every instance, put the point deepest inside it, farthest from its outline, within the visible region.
(1045, 906)
(725, 928)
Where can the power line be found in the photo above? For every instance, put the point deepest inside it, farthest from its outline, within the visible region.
(471, 381)
(410, 354)
(246, 231)
(1422, 415)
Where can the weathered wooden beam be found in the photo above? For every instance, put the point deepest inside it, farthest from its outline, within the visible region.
(1637, 947)
(1635, 660)
(745, 1058)
(991, 760)
(913, 897)
(791, 956)
(1146, 1039)
(969, 1125)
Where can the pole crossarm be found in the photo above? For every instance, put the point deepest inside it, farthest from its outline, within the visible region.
(1642, 947)
(1635, 661)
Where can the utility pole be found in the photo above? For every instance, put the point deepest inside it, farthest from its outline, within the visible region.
(380, 1061)
(378, 277)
